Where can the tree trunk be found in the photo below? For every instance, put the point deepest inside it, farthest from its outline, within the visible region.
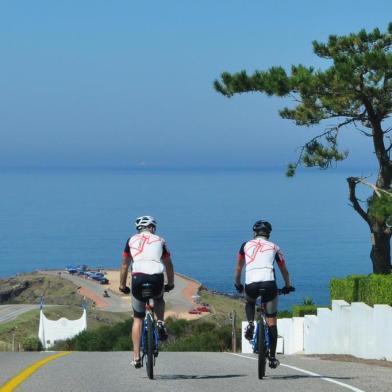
(381, 250)
(380, 254)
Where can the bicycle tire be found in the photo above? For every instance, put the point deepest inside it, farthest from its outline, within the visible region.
(150, 348)
(261, 348)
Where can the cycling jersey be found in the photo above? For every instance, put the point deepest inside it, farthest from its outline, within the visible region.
(260, 255)
(146, 250)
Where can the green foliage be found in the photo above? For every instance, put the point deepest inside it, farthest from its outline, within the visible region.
(380, 207)
(184, 335)
(356, 89)
(302, 310)
(308, 301)
(106, 338)
(285, 314)
(32, 343)
(177, 327)
(201, 337)
(370, 289)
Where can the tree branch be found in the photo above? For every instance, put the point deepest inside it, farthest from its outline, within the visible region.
(352, 183)
(378, 191)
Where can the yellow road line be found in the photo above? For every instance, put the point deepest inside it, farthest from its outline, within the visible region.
(26, 373)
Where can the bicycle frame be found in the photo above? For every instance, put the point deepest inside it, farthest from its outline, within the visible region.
(149, 315)
(255, 340)
(149, 339)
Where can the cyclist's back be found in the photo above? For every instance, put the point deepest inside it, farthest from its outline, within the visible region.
(147, 250)
(260, 255)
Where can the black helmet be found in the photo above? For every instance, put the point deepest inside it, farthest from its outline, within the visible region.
(262, 227)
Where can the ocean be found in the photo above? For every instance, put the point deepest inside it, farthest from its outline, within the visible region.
(53, 218)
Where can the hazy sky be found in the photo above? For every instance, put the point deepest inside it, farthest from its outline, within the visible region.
(128, 83)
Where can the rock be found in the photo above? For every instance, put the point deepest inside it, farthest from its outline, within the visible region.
(10, 291)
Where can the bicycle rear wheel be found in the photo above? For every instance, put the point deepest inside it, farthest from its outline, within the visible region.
(262, 350)
(150, 348)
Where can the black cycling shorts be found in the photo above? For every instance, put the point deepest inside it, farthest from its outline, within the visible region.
(269, 297)
(157, 285)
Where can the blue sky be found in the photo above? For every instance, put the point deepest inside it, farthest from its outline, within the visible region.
(129, 83)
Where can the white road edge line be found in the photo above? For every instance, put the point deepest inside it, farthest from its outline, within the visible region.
(310, 373)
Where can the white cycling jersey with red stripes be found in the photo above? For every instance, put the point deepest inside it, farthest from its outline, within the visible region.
(260, 255)
(147, 251)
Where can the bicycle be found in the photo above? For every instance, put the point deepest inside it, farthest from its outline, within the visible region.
(261, 338)
(149, 340)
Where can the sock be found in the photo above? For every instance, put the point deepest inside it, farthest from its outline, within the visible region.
(250, 311)
(273, 332)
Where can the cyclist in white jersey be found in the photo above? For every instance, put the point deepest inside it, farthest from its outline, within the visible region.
(258, 256)
(149, 257)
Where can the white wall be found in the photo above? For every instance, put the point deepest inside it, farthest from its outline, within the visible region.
(356, 329)
(292, 332)
(51, 331)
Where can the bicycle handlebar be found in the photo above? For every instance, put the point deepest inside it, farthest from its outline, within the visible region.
(286, 290)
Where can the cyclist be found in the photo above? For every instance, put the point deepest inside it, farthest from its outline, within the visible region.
(258, 255)
(149, 258)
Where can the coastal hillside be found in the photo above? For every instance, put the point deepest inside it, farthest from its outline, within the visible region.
(29, 288)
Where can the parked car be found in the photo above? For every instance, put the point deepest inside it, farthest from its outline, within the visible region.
(104, 281)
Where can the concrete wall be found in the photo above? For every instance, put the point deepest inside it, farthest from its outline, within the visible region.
(356, 329)
(292, 332)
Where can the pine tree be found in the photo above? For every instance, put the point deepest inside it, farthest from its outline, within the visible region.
(355, 91)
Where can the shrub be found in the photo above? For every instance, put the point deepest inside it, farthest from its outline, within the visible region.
(177, 327)
(302, 310)
(213, 339)
(370, 289)
(32, 343)
(106, 338)
(285, 314)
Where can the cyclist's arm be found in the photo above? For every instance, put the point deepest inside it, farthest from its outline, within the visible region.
(240, 265)
(283, 269)
(238, 270)
(167, 261)
(126, 260)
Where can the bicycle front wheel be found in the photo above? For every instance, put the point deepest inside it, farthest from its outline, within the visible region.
(150, 348)
(262, 350)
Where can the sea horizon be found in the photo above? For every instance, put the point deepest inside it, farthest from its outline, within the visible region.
(54, 217)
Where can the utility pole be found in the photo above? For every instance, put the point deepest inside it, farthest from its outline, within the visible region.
(233, 331)
(13, 341)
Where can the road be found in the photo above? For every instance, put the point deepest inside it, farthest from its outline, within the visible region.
(114, 303)
(11, 312)
(209, 372)
(177, 302)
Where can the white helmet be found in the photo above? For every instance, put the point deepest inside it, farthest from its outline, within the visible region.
(144, 222)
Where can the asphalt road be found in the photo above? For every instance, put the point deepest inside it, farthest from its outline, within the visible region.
(115, 302)
(11, 312)
(192, 372)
